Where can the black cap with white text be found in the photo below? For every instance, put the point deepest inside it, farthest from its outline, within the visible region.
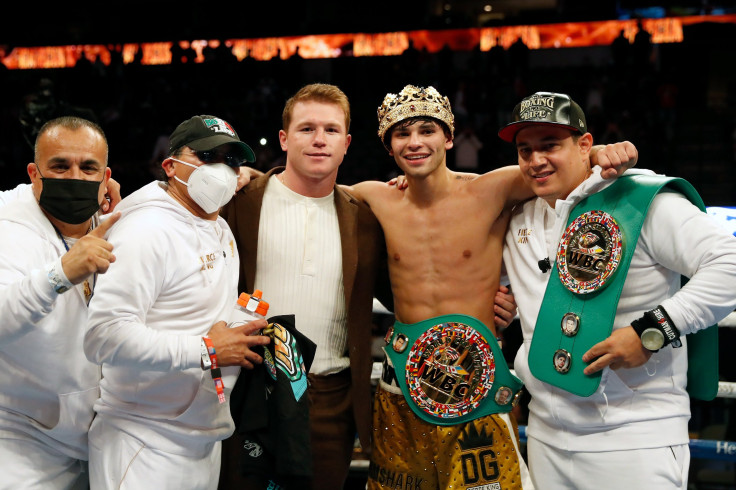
(545, 108)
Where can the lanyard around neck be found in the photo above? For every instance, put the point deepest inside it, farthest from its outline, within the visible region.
(88, 291)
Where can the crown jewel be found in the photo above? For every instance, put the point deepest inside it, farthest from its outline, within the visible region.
(414, 101)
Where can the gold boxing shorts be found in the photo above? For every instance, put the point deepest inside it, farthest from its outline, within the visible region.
(409, 453)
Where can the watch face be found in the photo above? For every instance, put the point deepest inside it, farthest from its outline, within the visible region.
(652, 339)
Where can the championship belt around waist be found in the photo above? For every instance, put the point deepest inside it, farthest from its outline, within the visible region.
(586, 281)
(451, 369)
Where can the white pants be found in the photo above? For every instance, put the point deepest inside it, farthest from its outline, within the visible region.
(32, 465)
(664, 468)
(118, 460)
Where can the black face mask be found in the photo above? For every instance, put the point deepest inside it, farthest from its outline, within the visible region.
(72, 201)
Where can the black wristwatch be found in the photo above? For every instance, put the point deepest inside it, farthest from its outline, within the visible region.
(656, 330)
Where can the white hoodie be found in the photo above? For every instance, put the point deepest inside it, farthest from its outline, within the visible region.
(175, 276)
(642, 407)
(11, 195)
(47, 385)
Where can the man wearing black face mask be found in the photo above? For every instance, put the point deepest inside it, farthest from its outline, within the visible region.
(157, 323)
(50, 256)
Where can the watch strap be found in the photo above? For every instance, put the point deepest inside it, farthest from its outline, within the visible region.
(660, 320)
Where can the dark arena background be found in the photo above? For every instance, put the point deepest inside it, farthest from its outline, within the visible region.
(659, 74)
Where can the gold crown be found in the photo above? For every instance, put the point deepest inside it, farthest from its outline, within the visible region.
(414, 101)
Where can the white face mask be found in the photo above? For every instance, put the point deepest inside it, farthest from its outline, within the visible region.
(211, 185)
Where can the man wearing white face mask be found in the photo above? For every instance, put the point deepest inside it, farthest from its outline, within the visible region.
(158, 327)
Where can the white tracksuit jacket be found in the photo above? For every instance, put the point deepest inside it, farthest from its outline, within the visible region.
(174, 277)
(13, 194)
(47, 385)
(642, 407)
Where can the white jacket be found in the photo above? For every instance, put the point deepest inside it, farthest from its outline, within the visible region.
(642, 407)
(47, 385)
(11, 195)
(174, 277)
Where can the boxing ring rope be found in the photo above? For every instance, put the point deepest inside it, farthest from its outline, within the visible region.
(726, 390)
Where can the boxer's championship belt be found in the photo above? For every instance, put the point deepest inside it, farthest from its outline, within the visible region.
(451, 369)
(583, 291)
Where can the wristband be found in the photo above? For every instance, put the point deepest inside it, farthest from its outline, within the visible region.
(205, 362)
(57, 278)
(211, 351)
(656, 330)
(215, 371)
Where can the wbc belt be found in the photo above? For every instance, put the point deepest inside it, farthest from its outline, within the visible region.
(582, 294)
(451, 369)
